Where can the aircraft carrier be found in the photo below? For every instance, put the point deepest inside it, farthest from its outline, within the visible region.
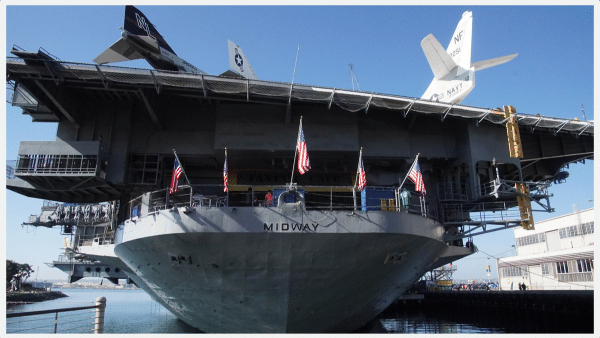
(323, 257)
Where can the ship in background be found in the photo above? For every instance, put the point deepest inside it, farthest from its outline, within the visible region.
(322, 257)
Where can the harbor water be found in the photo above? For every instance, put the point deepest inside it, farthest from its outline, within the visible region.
(127, 311)
(133, 311)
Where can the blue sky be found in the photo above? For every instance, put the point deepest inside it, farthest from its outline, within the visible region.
(552, 76)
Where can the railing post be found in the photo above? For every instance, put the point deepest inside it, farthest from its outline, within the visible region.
(99, 323)
(55, 322)
(330, 199)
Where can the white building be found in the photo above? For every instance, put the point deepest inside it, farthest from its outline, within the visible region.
(557, 255)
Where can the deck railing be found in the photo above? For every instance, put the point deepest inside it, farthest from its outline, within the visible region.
(99, 239)
(36, 322)
(326, 198)
(10, 168)
(52, 164)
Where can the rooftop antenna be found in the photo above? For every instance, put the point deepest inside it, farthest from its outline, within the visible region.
(352, 77)
(295, 64)
(288, 113)
(583, 112)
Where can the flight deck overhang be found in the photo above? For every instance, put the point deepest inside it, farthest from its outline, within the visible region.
(90, 190)
(61, 171)
(140, 115)
(113, 82)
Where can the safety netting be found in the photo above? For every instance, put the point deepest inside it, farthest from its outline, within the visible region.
(349, 100)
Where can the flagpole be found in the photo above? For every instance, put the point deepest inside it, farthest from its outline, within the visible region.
(182, 170)
(227, 177)
(409, 170)
(356, 179)
(296, 152)
(357, 168)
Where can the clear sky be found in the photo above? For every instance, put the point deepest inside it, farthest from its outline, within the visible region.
(552, 76)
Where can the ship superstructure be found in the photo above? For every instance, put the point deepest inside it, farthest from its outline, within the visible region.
(323, 257)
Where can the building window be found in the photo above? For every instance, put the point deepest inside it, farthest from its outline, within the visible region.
(531, 239)
(587, 228)
(562, 267)
(545, 268)
(584, 265)
(512, 271)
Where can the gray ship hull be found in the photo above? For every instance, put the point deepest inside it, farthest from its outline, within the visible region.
(246, 269)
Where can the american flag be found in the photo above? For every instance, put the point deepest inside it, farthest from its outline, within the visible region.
(175, 177)
(303, 161)
(225, 183)
(416, 176)
(362, 176)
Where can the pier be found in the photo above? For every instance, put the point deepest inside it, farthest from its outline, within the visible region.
(556, 311)
(67, 323)
(568, 302)
(20, 297)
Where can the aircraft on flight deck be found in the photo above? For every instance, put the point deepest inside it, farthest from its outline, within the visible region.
(141, 40)
(454, 74)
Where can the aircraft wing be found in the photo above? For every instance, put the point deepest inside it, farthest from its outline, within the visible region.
(440, 62)
(492, 62)
(119, 51)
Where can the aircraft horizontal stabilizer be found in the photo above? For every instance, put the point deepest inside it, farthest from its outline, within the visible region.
(492, 62)
(440, 62)
(119, 51)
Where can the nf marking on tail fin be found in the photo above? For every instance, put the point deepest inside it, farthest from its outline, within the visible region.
(459, 47)
(454, 74)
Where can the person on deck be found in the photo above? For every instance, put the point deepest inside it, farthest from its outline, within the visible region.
(269, 198)
(405, 196)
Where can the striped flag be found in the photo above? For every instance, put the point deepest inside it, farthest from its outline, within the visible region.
(175, 177)
(303, 161)
(225, 182)
(362, 176)
(416, 176)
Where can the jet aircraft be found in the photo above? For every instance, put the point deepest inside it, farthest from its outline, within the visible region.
(454, 74)
(141, 40)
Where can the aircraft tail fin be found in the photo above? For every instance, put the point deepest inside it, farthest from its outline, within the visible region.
(459, 48)
(137, 23)
(458, 53)
(492, 62)
(239, 62)
(440, 62)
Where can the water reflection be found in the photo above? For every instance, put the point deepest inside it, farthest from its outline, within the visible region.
(133, 311)
(432, 318)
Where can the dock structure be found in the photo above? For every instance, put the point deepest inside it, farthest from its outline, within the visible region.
(576, 302)
(557, 311)
(557, 255)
